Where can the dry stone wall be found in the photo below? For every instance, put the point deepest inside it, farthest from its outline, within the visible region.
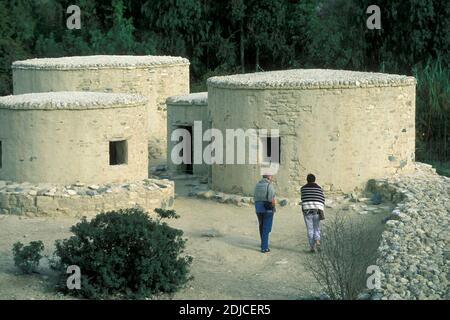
(414, 253)
(79, 199)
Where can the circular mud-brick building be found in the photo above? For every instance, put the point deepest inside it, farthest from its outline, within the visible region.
(345, 127)
(156, 77)
(65, 137)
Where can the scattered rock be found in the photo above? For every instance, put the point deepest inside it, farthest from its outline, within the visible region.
(243, 204)
(248, 200)
(102, 190)
(404, 217)
(160, 185)
(207, 194)
(353, 197)
(211, 234)
(50, 193)
(364, 296)
(81, 192)
(71, 192)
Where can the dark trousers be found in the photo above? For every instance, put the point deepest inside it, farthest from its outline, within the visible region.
(265, 220)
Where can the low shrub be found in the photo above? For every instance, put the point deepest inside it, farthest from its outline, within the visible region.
(348, 247)
(125, 254)
(26, 258)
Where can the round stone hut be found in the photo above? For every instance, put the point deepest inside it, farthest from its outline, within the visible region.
(65, 137)
(345, 127)
(155, 77)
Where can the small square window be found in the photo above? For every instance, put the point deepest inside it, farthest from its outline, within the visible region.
(118, 152)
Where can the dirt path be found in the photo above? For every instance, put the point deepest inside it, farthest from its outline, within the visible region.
(223, 239)
(230, 265)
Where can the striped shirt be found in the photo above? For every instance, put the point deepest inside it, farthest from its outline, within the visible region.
(312, 196)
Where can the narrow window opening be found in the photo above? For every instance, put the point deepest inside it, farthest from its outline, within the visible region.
(270, 146)
(1, 155)
(118, 152)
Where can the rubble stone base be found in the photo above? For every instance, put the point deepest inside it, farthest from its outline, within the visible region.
(82, 200)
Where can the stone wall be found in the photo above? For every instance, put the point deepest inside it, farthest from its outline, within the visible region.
(64, 137)
(414, 249)
(183, 111)
(345, 132)
(154, 77)
(83, 200)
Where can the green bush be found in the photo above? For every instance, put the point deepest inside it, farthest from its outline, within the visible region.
(348, 247)
(125, 254)
(26, 258)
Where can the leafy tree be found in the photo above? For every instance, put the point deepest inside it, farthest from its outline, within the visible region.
(223, 37)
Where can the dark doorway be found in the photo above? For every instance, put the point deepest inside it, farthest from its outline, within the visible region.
(188, 167)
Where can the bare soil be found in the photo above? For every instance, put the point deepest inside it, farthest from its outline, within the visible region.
(223, 239)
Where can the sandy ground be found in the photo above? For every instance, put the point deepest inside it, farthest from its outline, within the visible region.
(223, 239)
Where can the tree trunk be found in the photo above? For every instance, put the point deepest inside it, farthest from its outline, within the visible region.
(241, 45)
(257, 59)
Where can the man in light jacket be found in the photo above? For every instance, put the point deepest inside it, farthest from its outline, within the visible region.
(264, 199)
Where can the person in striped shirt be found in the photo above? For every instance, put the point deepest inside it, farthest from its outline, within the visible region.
(312, 200)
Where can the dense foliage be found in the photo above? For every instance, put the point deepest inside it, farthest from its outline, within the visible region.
(124, 253)
(232, 36)
(26, 258)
